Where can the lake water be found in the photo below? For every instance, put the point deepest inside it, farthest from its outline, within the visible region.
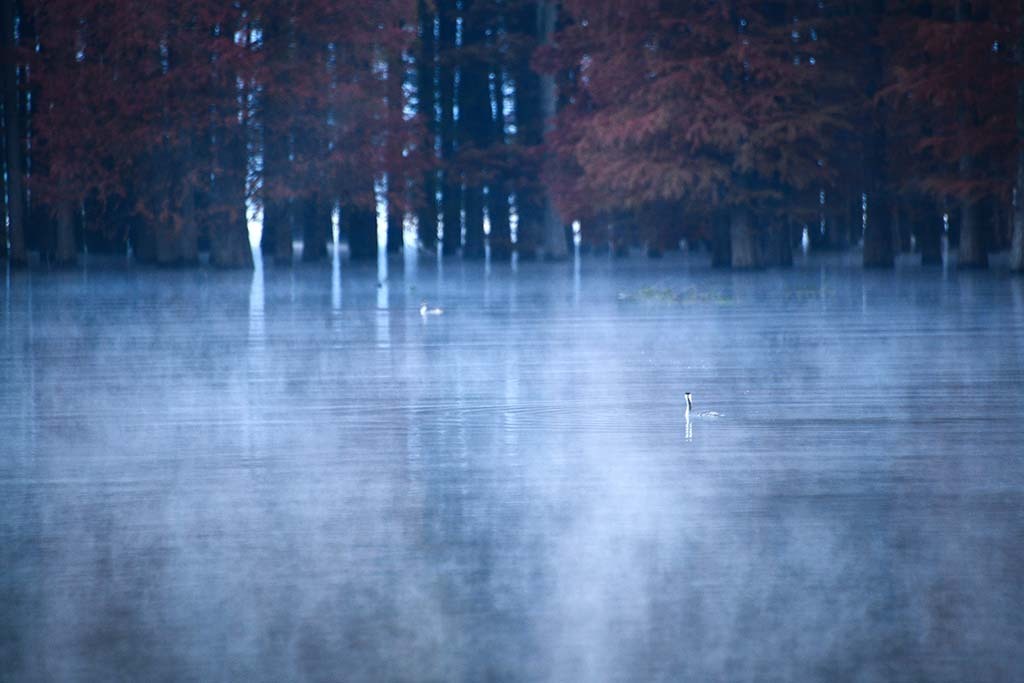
(293, 475)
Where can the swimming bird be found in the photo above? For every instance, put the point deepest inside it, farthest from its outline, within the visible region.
(703, 413)
(426, 310)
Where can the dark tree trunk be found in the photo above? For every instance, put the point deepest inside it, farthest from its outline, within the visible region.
(928, 233)
(167, 235)
(229, 231)
(64, 253)
(901, 231)
(451, 187)
(40, 230)
(188, 237)
(1017, 241)
(556, 246)
(501, 233)
(855, 220)
(12, 138)
(359, 221)
(721, 248)
(3, 186)
(396, 212)
(229, 236)
(497, 192)
(142, 235)
(743, 240)
(177, 235)
(473, 201)
(878, 242)
(425, 76)
(973, 250)
(529, 127)
(878, 251)
(780, 242)
(839, 221)
(474, 125)
(278, 213)
(104, 225)
(316, 229)
(278, 231)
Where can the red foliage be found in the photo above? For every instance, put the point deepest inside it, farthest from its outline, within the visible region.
(951, 88)
(691, 101)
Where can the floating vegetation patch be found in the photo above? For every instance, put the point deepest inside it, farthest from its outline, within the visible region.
(810, 294)
(665, 295)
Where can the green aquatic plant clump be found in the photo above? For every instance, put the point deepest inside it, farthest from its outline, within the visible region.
(667, 295)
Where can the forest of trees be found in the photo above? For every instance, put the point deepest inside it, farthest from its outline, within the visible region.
(741, 125)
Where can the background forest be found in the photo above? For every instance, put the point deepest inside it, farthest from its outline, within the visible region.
(172, 128)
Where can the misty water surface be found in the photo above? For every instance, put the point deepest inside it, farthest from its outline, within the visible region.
(293, 475)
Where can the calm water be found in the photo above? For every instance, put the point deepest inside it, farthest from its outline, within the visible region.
(292, 475)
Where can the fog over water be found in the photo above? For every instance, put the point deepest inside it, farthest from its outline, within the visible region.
(293, 475)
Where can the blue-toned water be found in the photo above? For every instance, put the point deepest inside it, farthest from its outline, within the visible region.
(293, 475)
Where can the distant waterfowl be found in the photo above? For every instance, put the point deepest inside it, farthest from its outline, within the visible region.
(704, 413)
(426, 310)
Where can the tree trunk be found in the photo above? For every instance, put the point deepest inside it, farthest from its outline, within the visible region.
(556, 245)
(13, 138)
(165, 233)
(316, 229)
(425, 76)
(473, 200)
(721, 248)
(928, 232)
(878, 251)
(497, 193)
(229, 231)
(229, 245)
(501, 234)
(360, 223)
(474, 125)
(781, 242)
(143, 238)
(188, 238)
(529, 128)
(878, 240)
(229, 248)
(900, 227)
(177, 235)
(743, 240)
(229, 236)
(451, 187)
(1017, 242)
(396, 185)
(278, 230)
(973, 251)
(65, 252)
(3, 187)
(278, 214)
